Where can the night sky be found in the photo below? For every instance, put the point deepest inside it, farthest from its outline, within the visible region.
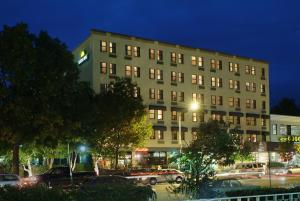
(261, 29)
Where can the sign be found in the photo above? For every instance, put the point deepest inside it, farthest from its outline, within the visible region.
(289, 139)
(83, 57)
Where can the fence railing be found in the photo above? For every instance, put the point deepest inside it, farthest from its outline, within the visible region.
(269, 197)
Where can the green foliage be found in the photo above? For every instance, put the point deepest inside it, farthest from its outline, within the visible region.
(244, 153)
(274, 164)
(286, 150)
(286, 106)
(262, 191)
(115, 192)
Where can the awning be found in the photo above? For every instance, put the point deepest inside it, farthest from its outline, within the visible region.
(157, 107)
(178, 109)
(252, 132)
(218, 112)
(252, 115)
(238, 114)
(176, 128)
(157, 127)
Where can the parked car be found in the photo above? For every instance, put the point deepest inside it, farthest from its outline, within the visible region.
(9, 180)
(218, 188)
(244, 170)
(170, 175)
(58, 176)
(294, 169)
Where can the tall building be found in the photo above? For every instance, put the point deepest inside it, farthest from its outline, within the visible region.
(170, 77)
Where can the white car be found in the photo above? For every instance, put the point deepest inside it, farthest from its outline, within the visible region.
(9, 180)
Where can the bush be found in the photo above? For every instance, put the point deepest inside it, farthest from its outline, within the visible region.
(262, 191)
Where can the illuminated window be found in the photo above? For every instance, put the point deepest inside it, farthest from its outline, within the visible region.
(159, 74)
(236, 68)
(231, 84)
(219, 82)
(152, 136)
(263, 122)
(151, 114)
(237, 102)
(181, 77)
(160, 94)
(174, 135)
(213, 64)
(127, 70)
(194, 79)
(247, 86)
(247, 69)
(201, 80)
(253, 70)
(174, 116)
(136, 51)
(173, 96)
(194, 135)
(103, 68)
(181, 96)
(231, 101)
(112, 69)
(151, 54)
(230, 66)
(194, 62)
(194, 117)
(263, 88)
(159, 55)
(136, 92)
(152, 93)
(194, 97)
(173, 58)
(237, 120)
(219, 64)
(248, 103)
(160, 115)
(128, 50)
(200, 61)
(213, 82)
(282, 129)
(213, 100)
(136, 71)
(180, 58)
(237, 85)
(274, 129)
(173, 76)
(250, 121)
(230, 119)
(160, 134)
(103, 46)
(253, 87)
(112, 48)
(219, 100)
(151, 73)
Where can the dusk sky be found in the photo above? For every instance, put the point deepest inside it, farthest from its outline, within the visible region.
(261, 29)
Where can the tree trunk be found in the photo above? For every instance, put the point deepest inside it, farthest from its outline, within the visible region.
(116, 158)
(96, 167)
(51, 161)
(29, 168)
(74, 160)
(16, 160)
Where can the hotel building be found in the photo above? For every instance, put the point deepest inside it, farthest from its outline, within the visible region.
(170, 77)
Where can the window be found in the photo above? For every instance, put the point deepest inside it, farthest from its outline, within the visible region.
(136, 51)
(136, 92)
(230, 119)
(182, 135)
(128, 50)
(247, 69)
(248, 103)
(200, 61)
(263, 88)
(194, 79)
(194, 62)
(216, 117)
(219, 82)
(159, 55)
(263, 122)
(112, 48)
(237, 85)
(201, 80)
(151, 54)
(152, 93)
(160, 94)
(231, 84)
(236, 68)
(253, 104)
(151, 114)
(247, 86)
(219, 100)
(174, 115)
(219, 64)
(213, 100)
(160, 134)
(194, 117)
(274, 129)
(173, 76)
(230, 66)
(213, 64)
(152, 136)
(231, 101)
(103, 46)
(173, 96)
(180, 58)
(250, 121)
(253, 86)
(174, 135)
(112, 69)
(136, 71)
(253, 70)
(103, 68)
(128, 71)
(263, 73)
(181, 96)
(263, 105)
(213, 82)
(237, 102)
(181, 114)
(160, 115)
(173, 58)
(159, 74)
(282, 129)
(181, 77)
(151, 73)
(194, 135)
(237, 120)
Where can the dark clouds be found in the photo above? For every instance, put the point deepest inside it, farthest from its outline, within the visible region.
(268, 30)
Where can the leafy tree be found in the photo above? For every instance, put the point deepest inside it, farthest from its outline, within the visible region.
(286, 150)
(213, 145)
(121, 124)
(244, 153)
(38, 86)
(286, 106)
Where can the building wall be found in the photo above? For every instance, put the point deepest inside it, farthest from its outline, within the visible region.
(90, 71)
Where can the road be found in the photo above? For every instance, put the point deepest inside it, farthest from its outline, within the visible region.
(163, 194)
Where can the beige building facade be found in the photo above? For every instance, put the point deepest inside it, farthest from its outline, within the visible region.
(170, 77)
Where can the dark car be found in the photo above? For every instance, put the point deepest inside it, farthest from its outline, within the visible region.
(58, 176)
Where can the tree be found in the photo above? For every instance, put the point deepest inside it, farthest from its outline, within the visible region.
(38, 86)
(244, 153)
(213, 145)
(286, 150)
(121, 122)
(286, 106)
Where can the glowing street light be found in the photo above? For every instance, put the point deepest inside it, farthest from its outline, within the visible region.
(194, 106)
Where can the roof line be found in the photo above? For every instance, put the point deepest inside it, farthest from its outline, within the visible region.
(173, 44)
